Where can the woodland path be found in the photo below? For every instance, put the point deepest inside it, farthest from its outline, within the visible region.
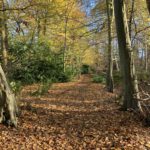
(77, 115)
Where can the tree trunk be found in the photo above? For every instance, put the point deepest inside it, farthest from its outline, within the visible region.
(146, 58)
(38, 28)
(116, 64)
(130, 84)
(109, 82)
(4, 38)
(116, 61)
(148, 5)
(65, 42)
(131, 17)
(8, 106)
(45, 26)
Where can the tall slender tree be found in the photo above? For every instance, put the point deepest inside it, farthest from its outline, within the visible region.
(110, 12)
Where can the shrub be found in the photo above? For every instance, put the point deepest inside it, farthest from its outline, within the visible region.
(15, 87)
(37, 63)
(144, 76)
(43, 88)
(85, 69)
(63, 77)
(99, 79)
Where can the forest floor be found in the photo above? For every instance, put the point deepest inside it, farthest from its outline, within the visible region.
(77, 115)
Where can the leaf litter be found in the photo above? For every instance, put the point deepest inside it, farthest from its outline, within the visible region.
(77, 115)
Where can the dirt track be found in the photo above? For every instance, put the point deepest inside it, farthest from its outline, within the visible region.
(72, 116)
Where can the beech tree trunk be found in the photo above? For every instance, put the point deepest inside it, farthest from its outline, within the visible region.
(130, 83)
(109, 82)
(4, 34)
(8, 106)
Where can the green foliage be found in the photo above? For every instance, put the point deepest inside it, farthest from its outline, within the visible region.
(36, 71)
(43, 88)
(85, 69)
(63, 77)
(117, 77)
(16, 87)
(99, 79)
(143, 76)
(102, 78)
(37, 64)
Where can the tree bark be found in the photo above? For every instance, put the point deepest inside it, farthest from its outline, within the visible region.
(65, 42)
(116, 64)
(8, 106)
(146, 58)
(148, 5)
(45, 26)
(38, 28)
(130, 83)
(109, 82)
(131, 17)
(4, 38)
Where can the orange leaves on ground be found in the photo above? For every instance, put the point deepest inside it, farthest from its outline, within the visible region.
(76, 115)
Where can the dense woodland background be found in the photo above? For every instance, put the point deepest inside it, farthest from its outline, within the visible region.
(94, 52)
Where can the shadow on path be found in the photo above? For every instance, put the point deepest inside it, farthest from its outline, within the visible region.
(77, 115)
